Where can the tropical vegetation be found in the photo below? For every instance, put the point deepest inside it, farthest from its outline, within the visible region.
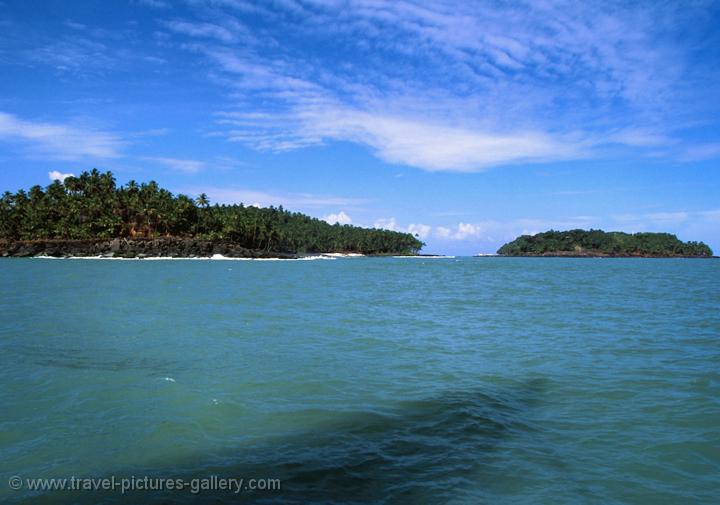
(598, 242)
(92, 206)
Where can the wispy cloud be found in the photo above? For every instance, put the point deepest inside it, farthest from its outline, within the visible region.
(664, 220)
(640, 137)
(701, 152)
(230, 195)
(314, 116)
(179, 164)
(155, 132)
(156, 60)
(668, 217)
(74, 25)
(155, 4)
(432, 146)
(59, 141)
(230, 32)
(712, 216)
(448, 86)
(72, 54)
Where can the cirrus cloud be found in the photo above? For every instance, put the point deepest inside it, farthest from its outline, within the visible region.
(444, 86)
(59, 141)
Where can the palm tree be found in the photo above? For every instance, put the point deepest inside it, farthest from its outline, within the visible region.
(90, 206)
(202, 200)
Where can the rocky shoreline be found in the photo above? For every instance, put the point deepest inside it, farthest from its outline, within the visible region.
(168, 247)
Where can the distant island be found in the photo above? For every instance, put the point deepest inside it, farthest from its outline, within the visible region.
(598, 243)
(90, 215)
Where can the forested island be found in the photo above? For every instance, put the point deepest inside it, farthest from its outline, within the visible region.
(90, 215)
(598, 243)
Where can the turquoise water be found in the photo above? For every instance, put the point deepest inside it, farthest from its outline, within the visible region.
(473, 380)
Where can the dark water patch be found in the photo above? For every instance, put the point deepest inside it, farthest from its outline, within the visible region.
(425, 451)
(87, 359)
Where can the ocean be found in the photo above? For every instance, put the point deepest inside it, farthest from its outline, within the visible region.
(361, 380)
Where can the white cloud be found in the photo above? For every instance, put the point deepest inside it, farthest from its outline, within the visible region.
(614, 47)
(640, 137)
(493, 230)
(155, 4)
(59, 141)
(179, 164)
(712, 216)
(664, 220)
(462, 231)
(59, 176)
(75, 54)
(74, 25)
(408, 137)
(443, 232)
(432, 146)
(155, 60)
(669, 217)
(386, 224)
(264, 74)
(467, 230)
(701, 152)
(500, 82)
(421, 230)
(154, 132)
(199, 29)
(489, 234)
(341, 218)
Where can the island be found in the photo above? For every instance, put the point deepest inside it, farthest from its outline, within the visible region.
(89, 215)
(598, 243)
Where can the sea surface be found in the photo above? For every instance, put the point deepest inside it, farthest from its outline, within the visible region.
(364, 380)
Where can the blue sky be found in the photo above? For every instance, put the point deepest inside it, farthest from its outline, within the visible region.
(466, 123)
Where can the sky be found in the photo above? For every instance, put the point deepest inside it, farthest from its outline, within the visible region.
(466, 123)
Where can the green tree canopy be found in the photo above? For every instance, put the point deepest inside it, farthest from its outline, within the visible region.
(92, 206)
(598, 242)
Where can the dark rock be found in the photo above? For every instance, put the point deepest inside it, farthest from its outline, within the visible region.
(131, 248)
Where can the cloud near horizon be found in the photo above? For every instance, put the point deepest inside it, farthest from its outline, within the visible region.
(59, 141)
(179, 164)
(339, 218)
(294, 201)
(422, 231)
(55, 175)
